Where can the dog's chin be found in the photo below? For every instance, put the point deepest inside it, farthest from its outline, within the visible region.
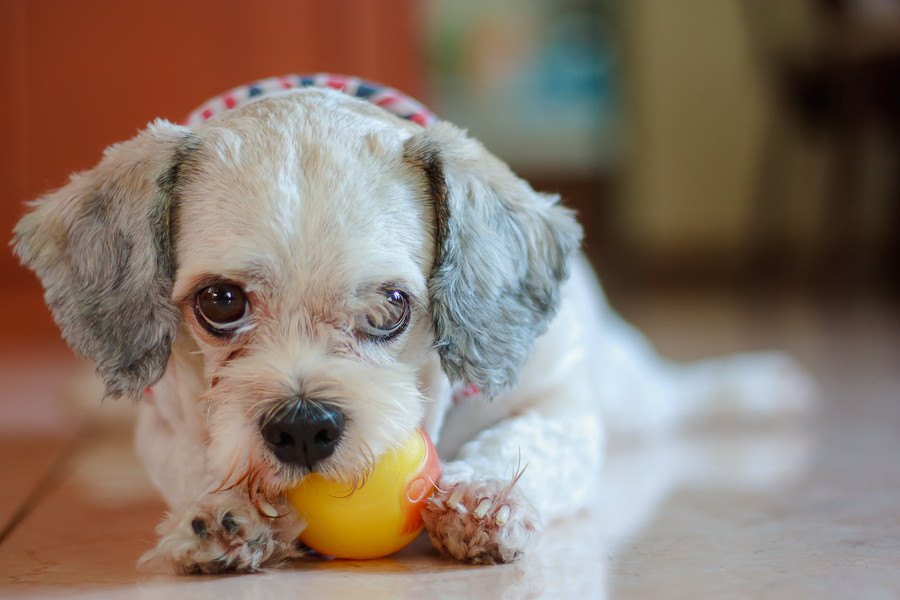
(282, 478)
(285, 479)
(265, 479)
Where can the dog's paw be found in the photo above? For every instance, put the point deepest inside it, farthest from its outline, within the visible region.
(481, 522)
(221, 533)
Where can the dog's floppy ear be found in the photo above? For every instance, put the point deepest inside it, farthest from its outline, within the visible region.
(502, 253)
(102, 247)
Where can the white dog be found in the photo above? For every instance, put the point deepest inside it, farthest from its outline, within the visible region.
(299, 283)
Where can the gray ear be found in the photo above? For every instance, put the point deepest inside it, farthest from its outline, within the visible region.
(102, 247)
(502, 253)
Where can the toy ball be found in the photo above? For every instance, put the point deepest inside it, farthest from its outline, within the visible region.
(378, 518)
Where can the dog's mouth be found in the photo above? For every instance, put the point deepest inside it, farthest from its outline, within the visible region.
(266, 481)
(266, 476)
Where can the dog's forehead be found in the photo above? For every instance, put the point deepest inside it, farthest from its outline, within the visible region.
(302, 193)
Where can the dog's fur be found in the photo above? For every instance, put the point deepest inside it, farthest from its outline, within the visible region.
(314, 201)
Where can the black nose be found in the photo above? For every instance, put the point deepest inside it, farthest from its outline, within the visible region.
(303, 433)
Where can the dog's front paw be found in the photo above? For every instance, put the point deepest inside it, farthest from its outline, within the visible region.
(481, 522)
(221, 533)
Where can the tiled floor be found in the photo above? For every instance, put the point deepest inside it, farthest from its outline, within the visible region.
(802, 509)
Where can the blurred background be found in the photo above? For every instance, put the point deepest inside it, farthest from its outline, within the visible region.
(746, 145)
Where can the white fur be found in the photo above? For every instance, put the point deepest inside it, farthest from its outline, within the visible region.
(305, 200)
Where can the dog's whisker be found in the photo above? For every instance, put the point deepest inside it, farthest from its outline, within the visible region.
(270, 413)
(223, 485)
(240, 480)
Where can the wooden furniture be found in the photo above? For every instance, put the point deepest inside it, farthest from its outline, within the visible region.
(845, 89)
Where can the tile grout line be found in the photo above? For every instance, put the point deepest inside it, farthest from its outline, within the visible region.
(52, 477)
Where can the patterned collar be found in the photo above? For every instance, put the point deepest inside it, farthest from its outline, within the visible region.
(387, 98)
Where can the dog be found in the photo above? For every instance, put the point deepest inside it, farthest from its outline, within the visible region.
(297, 284)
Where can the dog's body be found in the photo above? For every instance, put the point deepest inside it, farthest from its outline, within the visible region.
(392, 277)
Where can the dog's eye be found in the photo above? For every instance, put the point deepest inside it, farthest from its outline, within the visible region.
(222, 306)
(388, 318)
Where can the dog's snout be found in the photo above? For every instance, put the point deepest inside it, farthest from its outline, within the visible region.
(304, 433)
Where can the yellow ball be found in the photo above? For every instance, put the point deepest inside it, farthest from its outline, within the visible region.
(377, 519)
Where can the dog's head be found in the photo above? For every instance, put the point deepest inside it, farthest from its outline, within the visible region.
(306, 254)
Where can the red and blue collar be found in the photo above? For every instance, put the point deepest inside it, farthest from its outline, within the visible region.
(388, 98)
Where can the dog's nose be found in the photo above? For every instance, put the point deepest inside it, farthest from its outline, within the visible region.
(303, 433)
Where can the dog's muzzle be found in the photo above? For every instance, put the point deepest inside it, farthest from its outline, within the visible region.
(303, 433)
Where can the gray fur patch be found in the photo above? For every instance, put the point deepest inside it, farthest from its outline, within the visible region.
(102, 247)
(502, 254)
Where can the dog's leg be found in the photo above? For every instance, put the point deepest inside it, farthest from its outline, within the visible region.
(642, 392)
(523, 458)
(204, 531)
(525, 470)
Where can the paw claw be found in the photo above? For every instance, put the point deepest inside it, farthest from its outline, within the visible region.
(482, 509)
(454, 502)
(481, 522)
(268, 510)
(502, 515)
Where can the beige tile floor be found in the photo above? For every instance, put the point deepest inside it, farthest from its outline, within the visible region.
(808, 508)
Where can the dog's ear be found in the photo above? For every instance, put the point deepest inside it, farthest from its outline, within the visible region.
(102, 247)
(502, 253)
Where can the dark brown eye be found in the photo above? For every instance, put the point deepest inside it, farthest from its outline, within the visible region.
(388, 318)
(223, 306)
